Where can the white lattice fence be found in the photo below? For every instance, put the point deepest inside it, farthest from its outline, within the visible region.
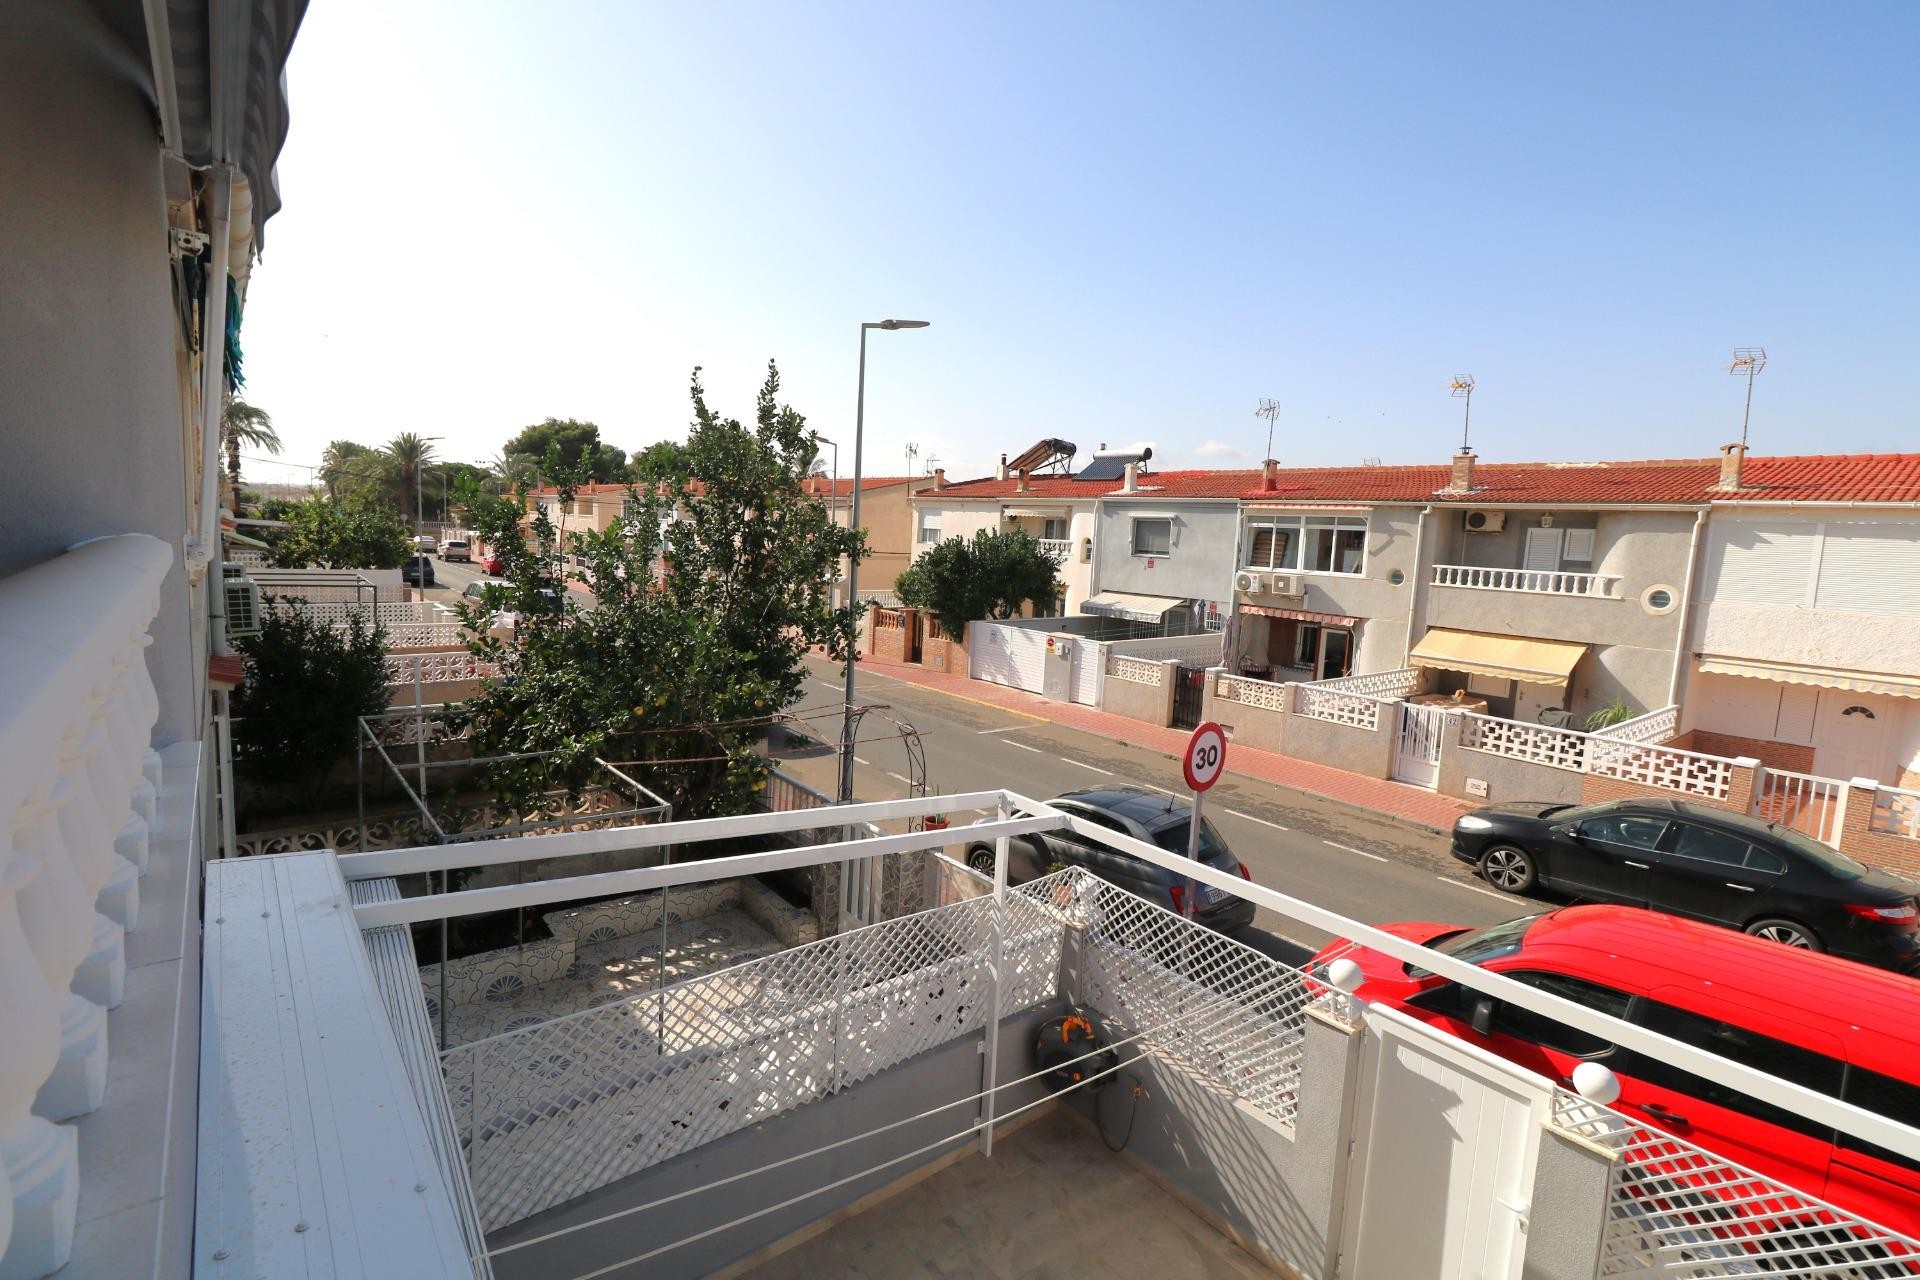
(337, 612)
(1252, 693)
(1676, 1210)
(1654, 726)
(1317, 702)
(1134, 670)
(435, 668)
(1377, 684)
(423, 635)
(1667, 768)
(551, 1111)
(1518, 740)
(1197, 998)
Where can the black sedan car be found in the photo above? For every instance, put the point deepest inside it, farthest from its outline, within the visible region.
(1701, 862)
(1145, 815)
(417, 572)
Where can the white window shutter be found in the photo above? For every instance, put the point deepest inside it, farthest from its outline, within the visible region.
(1761, 563)
(1579, 548)
(1870, 568)
(1543, 550)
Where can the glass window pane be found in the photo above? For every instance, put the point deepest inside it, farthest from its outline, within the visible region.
(1352, 550)
(1708, 845)
(1321, 550)
(1260, 554)
(1152, 537)
(1775, 1057)
(1639, 833)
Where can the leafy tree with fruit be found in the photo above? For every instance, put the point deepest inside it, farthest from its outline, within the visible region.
(358, 533)
(992, 575)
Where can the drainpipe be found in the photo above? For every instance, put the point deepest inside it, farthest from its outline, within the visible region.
(1686, 609)
(213, 363)
(1419, 582)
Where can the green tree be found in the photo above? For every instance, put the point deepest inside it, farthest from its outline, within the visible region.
(660, 462)
(355, 534)
(337, 465)
(698, 634)
(410, 453)
(245, 424)
(579, 445)
(307, 686)
(992, 576)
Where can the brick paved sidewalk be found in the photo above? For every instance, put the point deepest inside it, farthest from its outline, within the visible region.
(1396, 799)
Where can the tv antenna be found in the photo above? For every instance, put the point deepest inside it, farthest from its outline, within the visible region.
(913, 451)
(1462, 389)
(1750, 361)
(1270, 410)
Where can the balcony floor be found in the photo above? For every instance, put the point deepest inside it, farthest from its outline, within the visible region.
(1052, 1201)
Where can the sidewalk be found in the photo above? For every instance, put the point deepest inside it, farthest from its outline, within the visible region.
(1395, 799)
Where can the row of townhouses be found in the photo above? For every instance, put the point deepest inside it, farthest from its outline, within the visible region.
(1773, 602)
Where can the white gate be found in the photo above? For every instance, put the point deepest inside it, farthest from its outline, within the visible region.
(1416, 757)
(1804, 802)
(1014, 656)
(1438, 1112)
(1089, 671)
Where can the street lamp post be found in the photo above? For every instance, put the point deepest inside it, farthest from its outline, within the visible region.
(853, 562)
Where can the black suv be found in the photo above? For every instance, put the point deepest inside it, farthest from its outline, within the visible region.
(1145, 815)
(417, 571)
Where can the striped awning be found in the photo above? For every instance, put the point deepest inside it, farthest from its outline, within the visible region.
(1530, 661)
(1300, 615)
(1134, 608)
(1820, 677)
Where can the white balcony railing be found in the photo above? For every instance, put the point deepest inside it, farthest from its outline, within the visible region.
(1538, 581)
(1135, 670)
(1061, 547)
(1654, 726)
(78, 785)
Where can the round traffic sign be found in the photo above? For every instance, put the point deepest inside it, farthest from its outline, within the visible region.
(1206, 756)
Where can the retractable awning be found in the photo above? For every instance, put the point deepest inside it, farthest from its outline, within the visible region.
(1820, 677)
(1036, 512)
(1300, 615)
(1121, 604)
(1520, 658)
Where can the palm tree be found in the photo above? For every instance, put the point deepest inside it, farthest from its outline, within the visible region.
(410, 452)
(243, 424)
(337, 462)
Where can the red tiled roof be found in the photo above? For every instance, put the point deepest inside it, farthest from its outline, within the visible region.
(1860, 477)
(840, 488)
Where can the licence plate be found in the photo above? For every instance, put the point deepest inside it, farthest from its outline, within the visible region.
(1213, 895)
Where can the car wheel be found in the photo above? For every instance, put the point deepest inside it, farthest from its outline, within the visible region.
(980, 858)
(1509, 868)
(1788, 933)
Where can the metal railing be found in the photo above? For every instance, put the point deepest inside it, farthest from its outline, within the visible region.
(1803, 802)
(1896, 812)
(1535, 581)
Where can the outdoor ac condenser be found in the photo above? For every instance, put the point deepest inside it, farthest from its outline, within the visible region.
(243, 606)
(1250, 582)
(1486, 521)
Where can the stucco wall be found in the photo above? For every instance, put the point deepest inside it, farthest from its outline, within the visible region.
(1247, 725)
(1206, 548)
(1151, 703)
(958, 519)
(1813, 637)
(1345, 746)
(1506, 779)
(91, 406)
(1380, 640)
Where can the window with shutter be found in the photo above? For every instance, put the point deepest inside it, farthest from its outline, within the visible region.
(1870, 568)
(1543, 550)
(1579, 548)
(1761, 564)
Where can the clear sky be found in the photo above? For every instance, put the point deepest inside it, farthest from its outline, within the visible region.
(1125, 222)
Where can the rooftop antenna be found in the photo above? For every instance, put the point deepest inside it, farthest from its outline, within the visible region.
(1270, 410)
(913, 451)
(1750, 361)
(933, 462)
(1462, 389)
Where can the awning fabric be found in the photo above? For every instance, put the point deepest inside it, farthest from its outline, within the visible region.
(1035, 513)
(1819, 677)
(1121, 604)
(1519, 658)
(1300, 615)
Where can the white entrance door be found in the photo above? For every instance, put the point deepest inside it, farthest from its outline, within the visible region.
(1543, 550)
(1437, 1112)
(1416, 757)
(1850, 738)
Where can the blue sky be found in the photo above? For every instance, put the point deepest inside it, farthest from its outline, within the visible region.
(1126, 222)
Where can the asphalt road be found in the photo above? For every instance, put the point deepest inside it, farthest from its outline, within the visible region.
(1361, 865)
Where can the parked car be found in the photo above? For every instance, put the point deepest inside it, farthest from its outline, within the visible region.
(456, 549)
(1705, 863)
(1145, 815)
(492, 565)
(417, 571)
(425, 542)
(477, 590)
(1839, 1028)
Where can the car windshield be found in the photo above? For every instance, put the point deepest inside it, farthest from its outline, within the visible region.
(1477, 946)
(1213, 850)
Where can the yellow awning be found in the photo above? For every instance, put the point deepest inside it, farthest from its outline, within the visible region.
(1506, 657)
(1820, 677)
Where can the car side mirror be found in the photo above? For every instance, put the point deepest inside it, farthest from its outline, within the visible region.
(1480, 1015)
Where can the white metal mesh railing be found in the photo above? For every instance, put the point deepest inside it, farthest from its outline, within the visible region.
(1264, 694)
(554, 1110)
(1676, 1210)
(1146, 970)
(1134, 670)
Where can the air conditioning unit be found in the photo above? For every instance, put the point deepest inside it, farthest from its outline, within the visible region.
(1250, 582)
(243, 606)
(1286, 584)
(1486, 521)
(231, 569)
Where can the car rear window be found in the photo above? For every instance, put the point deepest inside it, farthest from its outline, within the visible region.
(1213, 850)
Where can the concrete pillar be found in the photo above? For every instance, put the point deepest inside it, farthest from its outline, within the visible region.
(1567, 1218)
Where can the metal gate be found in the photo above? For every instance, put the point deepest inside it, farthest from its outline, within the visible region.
(1189, 696)
(1416, 757)
(1089, 668)
(1014, 656)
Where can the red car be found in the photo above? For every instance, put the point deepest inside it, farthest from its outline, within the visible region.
(1820, 1021)
(491, 566)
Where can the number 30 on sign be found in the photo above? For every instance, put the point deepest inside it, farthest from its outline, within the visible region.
(1206, 757)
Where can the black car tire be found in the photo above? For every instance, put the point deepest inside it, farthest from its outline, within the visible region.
(1509, 868)
(980, 858)
(1788, 933)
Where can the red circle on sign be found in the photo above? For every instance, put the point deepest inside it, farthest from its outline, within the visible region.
(1206, 757)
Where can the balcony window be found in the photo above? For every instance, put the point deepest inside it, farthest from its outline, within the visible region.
(1317, 544)
(1153, 537)
(1053, 530)
(929, 527)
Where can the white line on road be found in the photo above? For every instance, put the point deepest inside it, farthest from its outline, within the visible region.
(1005, 728)
(1084, 765)
(1491, 893)
(898, 778)
(1347, 848)
(1023, 746)
(863, 760)
(828, 684)
(1262, 821)
(1162, 790)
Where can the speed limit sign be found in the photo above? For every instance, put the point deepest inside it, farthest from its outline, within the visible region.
(1206, 756)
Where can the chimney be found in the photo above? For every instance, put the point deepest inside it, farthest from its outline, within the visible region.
(939, 477)
(1462, 481)
(1002, 473)
(1023, 486)
(1270, 475)
(1132, 481)
(1733, 460)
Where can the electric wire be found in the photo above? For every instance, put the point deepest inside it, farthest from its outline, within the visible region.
(1212, 1003)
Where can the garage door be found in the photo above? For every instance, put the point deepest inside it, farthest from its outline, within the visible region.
(1014, 656)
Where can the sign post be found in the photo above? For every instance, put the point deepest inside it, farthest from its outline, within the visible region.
(1204, 762)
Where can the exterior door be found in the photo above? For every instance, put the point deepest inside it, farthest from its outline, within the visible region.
(1711, 875)
(1607, 859)
(1189, 696)
(1850, 736)
(1416, 756)
(1543, 550)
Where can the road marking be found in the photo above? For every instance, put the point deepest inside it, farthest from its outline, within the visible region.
(1347, 848)
(828, 684)
(1263, 822)
(1162, 790)
(1005, 728)
(1084, 765)
(897, 778)
(1474, 888)
(863, 760)
(1023, 746)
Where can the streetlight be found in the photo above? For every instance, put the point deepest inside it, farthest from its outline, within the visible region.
(853, 562)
